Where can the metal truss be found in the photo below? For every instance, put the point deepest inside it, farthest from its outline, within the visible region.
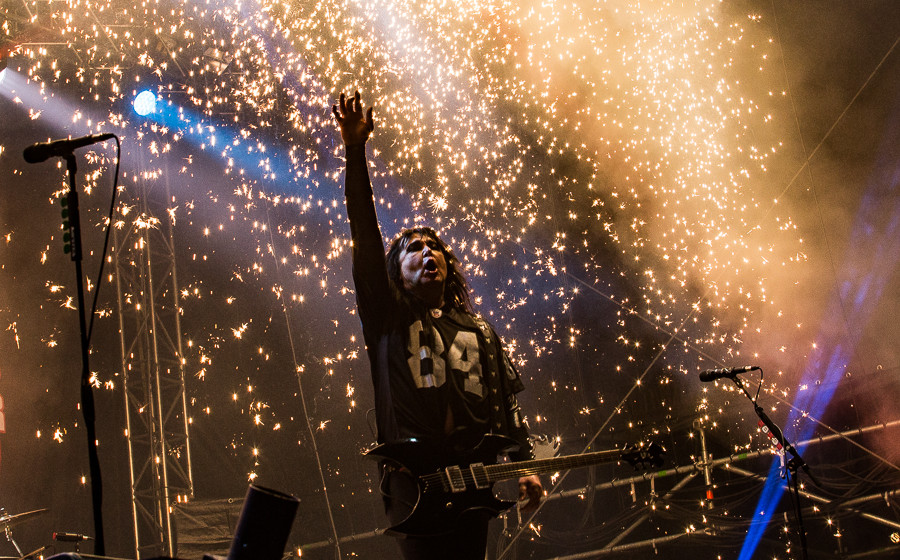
(159, 455)
(703, 466)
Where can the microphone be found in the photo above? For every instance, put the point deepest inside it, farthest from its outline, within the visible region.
(713, 374)
(42, 151)
(70, 537)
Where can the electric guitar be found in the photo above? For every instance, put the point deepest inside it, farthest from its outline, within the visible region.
(448, 492)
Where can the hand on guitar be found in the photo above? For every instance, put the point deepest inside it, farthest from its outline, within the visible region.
(530, 493)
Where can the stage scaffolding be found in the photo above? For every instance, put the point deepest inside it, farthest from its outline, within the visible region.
(157, 422)
(702, 467)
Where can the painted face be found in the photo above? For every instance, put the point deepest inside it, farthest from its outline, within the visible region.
(424, 269)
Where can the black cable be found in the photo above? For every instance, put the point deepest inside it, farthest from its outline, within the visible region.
(112, 207)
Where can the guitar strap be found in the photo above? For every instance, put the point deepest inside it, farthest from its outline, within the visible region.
(511, 407)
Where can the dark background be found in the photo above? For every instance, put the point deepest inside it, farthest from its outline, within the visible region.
(648, 192)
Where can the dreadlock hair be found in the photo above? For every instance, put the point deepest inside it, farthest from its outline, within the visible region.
(456, 289)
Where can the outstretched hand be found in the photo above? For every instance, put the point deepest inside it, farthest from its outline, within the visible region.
(355, 127)
(530, 493)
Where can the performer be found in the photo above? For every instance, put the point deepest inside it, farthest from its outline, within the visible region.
(439, 370)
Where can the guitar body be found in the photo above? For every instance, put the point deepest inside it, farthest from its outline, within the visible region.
(439, 507)
(454, 481)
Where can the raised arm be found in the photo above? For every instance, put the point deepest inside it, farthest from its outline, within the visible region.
(373, 294)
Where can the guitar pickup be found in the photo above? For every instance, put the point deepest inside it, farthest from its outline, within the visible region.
(479, 475)
(455, 478)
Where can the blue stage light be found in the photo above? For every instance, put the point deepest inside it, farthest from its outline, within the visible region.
(145, 103)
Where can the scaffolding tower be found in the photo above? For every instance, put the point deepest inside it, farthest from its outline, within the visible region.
(156, 414)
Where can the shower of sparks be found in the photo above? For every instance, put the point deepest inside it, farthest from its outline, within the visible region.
(559, 146)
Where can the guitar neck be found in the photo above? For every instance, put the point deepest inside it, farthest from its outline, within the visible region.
(506, 471)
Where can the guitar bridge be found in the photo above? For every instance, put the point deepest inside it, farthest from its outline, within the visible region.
(455, 478)
(479, 475)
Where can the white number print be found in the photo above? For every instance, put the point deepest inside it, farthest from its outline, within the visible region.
(420, 351)
(462, 356)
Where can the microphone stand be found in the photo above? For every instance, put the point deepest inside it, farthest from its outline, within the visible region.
(796, 462)
(87, 395)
